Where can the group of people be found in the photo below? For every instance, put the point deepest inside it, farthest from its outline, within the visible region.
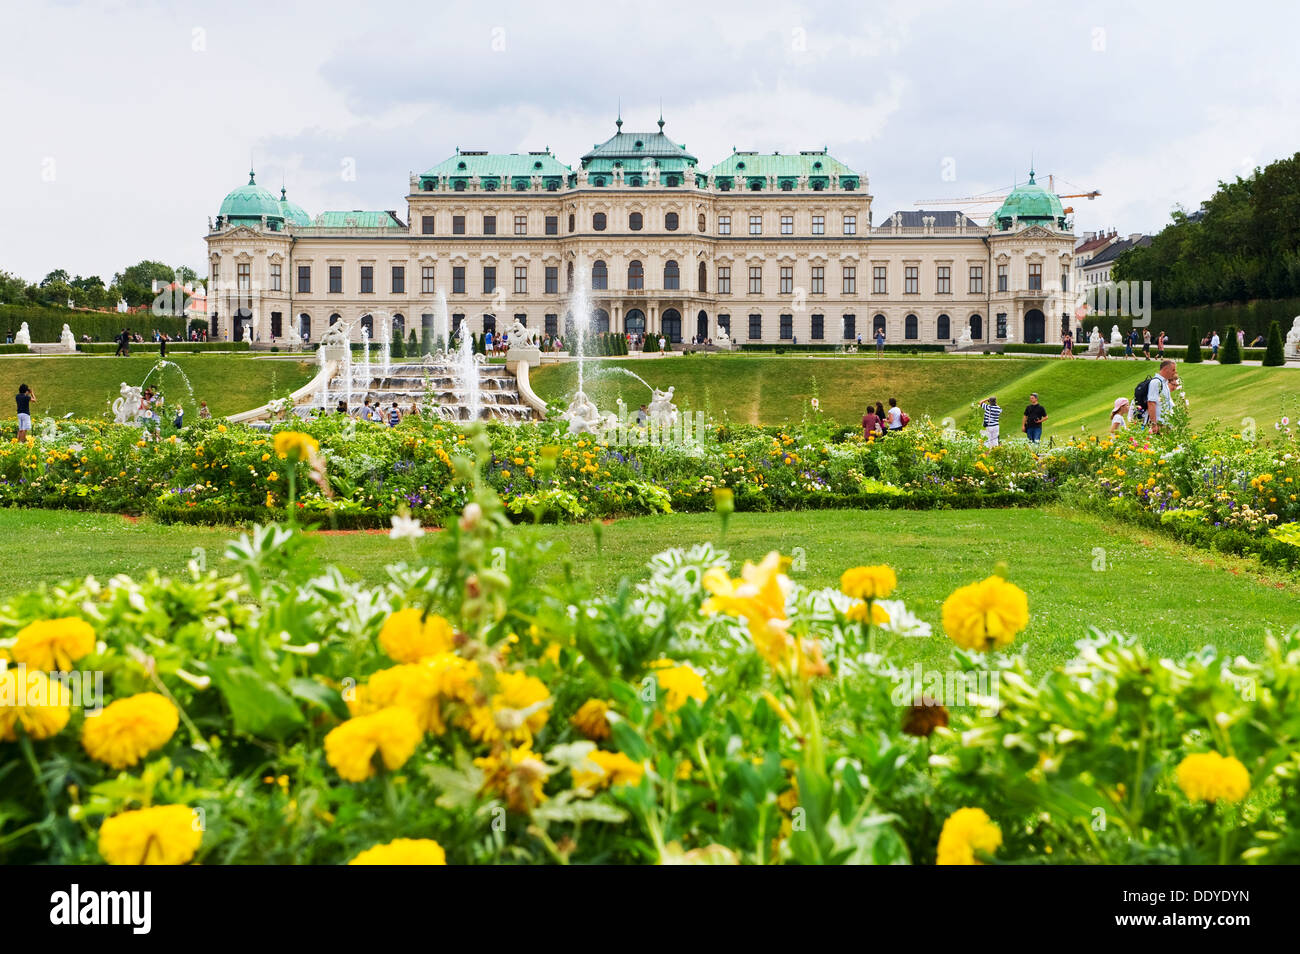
(377, 414)
(877, 421)
(1031, 423)
(1156, 401)
(1213, 342)
(1131, 343)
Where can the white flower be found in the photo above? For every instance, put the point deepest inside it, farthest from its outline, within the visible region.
(406, 528)
(225, 638)
(902, 621)
(309, 649)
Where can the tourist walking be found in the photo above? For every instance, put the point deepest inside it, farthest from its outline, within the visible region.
(1160, 344)
(992, 414)
(162, 346)
(1067, 345)
(24, 400)
(1160, 398)
(1214, 346)
(1035, 414)
(870, 423)
(1146, 344)
(1119, 415)
(1129, 341)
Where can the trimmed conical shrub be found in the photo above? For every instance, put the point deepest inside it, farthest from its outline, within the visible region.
(1194, 346)
(398, 348)
(1230, 352)
(1275, 356)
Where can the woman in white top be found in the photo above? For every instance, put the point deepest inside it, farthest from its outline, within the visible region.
(1119, 415)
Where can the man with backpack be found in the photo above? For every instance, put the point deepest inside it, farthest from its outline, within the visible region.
(1153, 399)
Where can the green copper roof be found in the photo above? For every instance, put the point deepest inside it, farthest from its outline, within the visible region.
(358, 219)
(497, 164)
(811, 163)
(1029, 203)
(633, 147)
(250, 202)
(292, 212)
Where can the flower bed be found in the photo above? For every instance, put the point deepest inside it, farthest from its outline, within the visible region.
(457, 714)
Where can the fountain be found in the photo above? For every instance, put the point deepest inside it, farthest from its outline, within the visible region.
(441, 327)
(386, 344)
(467, 367)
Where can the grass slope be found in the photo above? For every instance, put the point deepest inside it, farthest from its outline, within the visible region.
(768, 390)
(1174, 598)
(86, 384)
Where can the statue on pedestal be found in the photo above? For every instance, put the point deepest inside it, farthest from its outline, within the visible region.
(662, 412)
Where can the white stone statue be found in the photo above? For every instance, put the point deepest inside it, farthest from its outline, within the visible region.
(965, 340)
(722, 334)
(584, 417)
(126, 409)
(662, 412)
(122, 306)
(523, 336)
(1116, 339)
(1293, 337)
(67, 339)
(24, 336)
(1094, 341)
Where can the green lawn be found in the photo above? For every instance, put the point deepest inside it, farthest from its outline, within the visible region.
(1174, 598)
(86, 384)
(764, 390)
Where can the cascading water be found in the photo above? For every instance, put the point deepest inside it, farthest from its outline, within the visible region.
(441, 326)
(467, 369)
(581, 308)
(386, 345)
(364, 364)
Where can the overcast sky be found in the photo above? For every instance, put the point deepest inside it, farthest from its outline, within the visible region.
(127, 122)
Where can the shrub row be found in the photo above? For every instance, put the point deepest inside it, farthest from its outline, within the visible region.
(108, 347)
(45, 323)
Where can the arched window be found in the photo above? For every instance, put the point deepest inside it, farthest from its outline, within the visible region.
(598, 221)
(426, 185)
(670, 221)
(703, 278)
(911, 328)
(599, 275)
(569, 277)
(878, 324)
(635, 275)
(399, 328)
(304, 326)
(368, 326)
(459, 186)
(944, 331)
(672, 275)
(334, 320)
(634, 221)
(701, 221)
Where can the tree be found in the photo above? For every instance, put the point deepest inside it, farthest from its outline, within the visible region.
(1194, 346)
(413, 345)
(59, 276)
(398, 347)
(1230, 353)
(1275, 356)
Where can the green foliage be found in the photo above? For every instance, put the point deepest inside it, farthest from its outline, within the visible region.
(1275, 355)
(1230, 350)
(398, 348)
(45, 322)
(1194, 346)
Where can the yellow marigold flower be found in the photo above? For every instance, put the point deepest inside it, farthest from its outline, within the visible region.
(758, 597)
(127, 730)
(407, 637)
(608, 768)
(1209, 777)
(985, 615)
(403, 851)
(858, 613)
(869, 582)
(966, 831)
(592, 719)
(421, 687)
(516, 774)
(295, 444)
(161, 835)
(34, 701)
(273, 476)
(392, 733)
(680, 683)
(54, 644)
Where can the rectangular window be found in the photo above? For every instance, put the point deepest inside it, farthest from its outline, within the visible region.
(755, 225)
(304, 278)
(850, 280)
(275, 278)
(1035, 277)
(756, 279)
(818, 327)
(943, 280)
(850, 225)
(879, 279)
(819, 279)
(819, 225)
(787, 280)
(1002, 324)
(489, 225)
(1065, 281)
(552, 225)
(724, 279)
(912, 280)
(336, 279)
(244, 276)
(552, 279)
(724, 225)
(458, 225)
(456, 322)
(755, 327)
(277, 324)
(521, 279)
(426, 280)
(1003, 278)
(489, 279)
(521, 225)
(552, 325)
(399, 279)
(458, 280)
(367, 279)
(977, 279)
(850, 327)
(787, 327)
(787, 225)
(426, 225)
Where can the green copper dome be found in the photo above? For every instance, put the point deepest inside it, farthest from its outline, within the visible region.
(249, 203)
(293, 213)
(1030, 204)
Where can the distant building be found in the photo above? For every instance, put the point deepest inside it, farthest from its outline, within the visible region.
(1097, 270)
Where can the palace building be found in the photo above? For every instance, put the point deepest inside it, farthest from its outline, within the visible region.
(768, 247)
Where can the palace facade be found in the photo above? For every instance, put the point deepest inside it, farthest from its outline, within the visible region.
(768, 247)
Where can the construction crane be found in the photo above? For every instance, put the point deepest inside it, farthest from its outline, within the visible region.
(981, 199)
